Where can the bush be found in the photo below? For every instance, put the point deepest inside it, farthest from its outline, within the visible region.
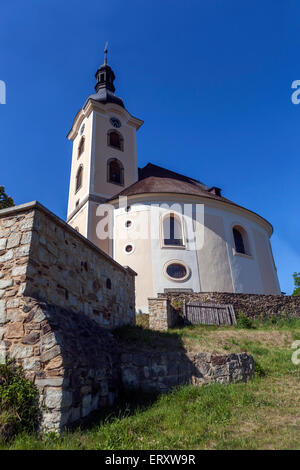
(142, 319)
(244, 322)
(19, 409)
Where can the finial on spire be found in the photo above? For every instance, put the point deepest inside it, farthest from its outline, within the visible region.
(105, 53)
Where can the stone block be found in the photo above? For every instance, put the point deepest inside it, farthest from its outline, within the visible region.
(13, 240)
(3, 242)
(53, 398)
(13, 315)
(2, 311)
(7, 256)
(31, 338)
(50, 382)
(130, 377)
(32, 364)
(14, 330)
(13, 303)
(19, 351)
(19, 270)
(22, 251)
(50, 354)
(48, 341)
(54, 363)
(4, 283)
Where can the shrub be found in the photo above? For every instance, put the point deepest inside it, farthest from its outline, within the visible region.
(142, 319)
(19, 409)
(244, 322)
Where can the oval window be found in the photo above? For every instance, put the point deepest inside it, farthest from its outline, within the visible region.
(176, 271)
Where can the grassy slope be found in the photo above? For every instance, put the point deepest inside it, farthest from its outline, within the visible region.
(262, 414)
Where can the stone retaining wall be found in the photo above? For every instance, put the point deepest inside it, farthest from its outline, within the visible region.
(56, 309)
(70, 358)
(43, 257)
(252, 305)
(159, 372)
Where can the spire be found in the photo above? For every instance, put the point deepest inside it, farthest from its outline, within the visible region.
(105, 53)
(105, 75)
(105, 88)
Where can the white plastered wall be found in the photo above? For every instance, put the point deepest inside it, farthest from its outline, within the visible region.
(215, 267)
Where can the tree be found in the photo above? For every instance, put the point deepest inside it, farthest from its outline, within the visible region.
(296, 277)
(5, 201)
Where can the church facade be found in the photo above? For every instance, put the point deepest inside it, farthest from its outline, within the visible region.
(175, 232)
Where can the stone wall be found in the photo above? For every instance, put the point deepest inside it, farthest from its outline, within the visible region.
(252, 305)
(70, 358)
(43, 257)
(159, 372)
(161, 314)
(56, 310)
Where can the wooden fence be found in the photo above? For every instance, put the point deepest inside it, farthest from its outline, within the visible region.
(209, 314)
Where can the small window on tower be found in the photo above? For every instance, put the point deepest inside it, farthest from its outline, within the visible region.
(81, 147)
(78, 182)
(115, 171)
(115, 139)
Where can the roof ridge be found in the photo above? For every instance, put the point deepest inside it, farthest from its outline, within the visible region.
(175, 173)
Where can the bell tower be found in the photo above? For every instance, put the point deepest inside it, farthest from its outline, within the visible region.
(104, 158)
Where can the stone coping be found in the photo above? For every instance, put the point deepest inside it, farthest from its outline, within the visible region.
(38, 206)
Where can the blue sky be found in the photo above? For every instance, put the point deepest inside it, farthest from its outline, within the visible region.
(210, 78)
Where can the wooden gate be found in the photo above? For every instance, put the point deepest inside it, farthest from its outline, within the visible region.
(209, 314)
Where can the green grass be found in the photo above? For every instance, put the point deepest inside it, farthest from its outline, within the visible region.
(262, 414)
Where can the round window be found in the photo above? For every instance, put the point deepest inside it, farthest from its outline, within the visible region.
(128, 223)
(128, 208)
(176, 271)
(128, 248)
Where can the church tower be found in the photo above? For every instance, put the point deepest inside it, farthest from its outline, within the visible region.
(104, 158)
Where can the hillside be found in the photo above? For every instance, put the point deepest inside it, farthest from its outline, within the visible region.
(262, 414)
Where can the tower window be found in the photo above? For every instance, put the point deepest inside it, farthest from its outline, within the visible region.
(108, 283)
(78, 182)
(81, 147)
(115, 140)
(115, 171)
(241, 242)
(172, 231)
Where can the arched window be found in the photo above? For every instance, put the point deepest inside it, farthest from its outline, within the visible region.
(115, 171)
(172, 230)
(240, 240)
(78, 183)
(81, 146)
(115, 140)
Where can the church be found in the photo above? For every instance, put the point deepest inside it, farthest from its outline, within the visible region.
(175, 232)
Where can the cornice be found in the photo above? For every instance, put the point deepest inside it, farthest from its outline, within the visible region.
(92, 105)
